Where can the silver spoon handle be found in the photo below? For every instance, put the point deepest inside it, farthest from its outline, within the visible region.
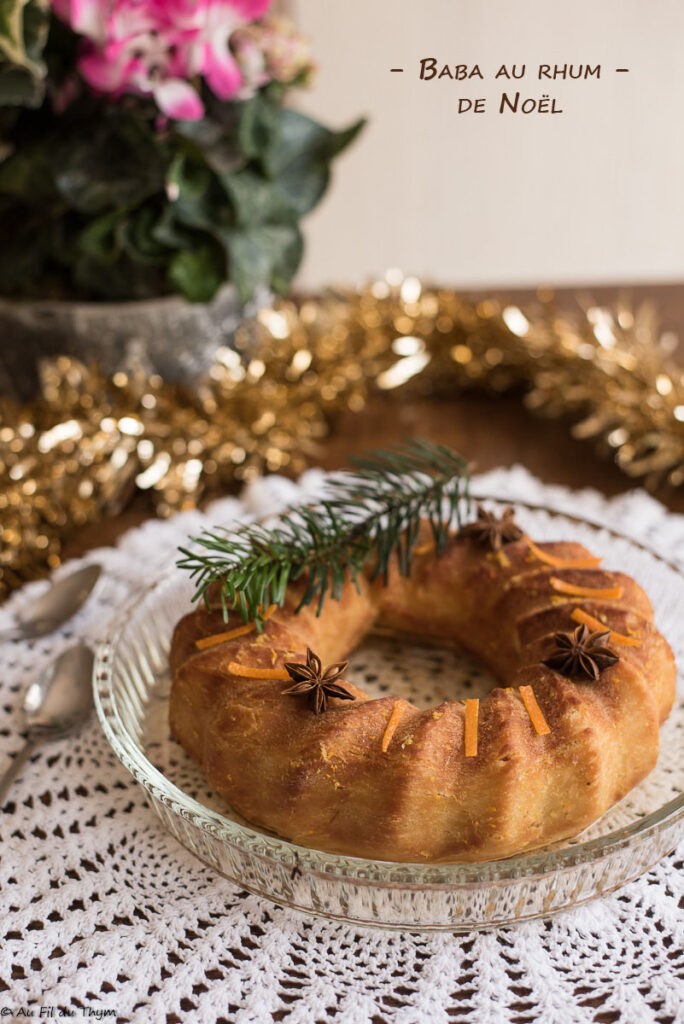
(17, 764)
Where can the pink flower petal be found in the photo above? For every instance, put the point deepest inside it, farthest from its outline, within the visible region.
(250, 9)
(105, 75)
(222, 72)
(89, 17)
(178, 100)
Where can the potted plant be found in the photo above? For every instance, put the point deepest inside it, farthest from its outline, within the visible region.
(152, 182)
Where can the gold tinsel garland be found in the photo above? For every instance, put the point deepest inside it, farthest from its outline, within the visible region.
(81, 450)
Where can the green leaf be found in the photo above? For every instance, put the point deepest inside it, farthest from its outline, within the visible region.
(213, 142)
(28, 175)
(18, 87)
(267, 255)
(198, 273)
(114, 164)
(23, 31)
(197, 200)
(300, 136)
(257, 200)
(259, 129)
(302, 184)
(23, 27)
(138, 239)
(297, 171)
(99, 239)
(167, 231)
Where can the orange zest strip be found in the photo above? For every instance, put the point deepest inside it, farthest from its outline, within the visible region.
(252, 672)
(221, 638)
(534, 711)
(232, 634)
(472, 709)
(563, 563)
(391, 727)
(600, 593)
(585, 619)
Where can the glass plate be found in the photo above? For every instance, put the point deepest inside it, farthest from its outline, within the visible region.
(131, 692)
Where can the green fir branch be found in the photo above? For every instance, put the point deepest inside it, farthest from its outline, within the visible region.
(366, 518)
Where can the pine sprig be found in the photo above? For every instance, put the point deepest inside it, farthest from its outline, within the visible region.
(365, 519)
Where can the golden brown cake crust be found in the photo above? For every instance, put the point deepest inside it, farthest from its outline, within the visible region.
(324, 780)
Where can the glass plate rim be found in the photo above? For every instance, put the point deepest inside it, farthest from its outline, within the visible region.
(421, 874)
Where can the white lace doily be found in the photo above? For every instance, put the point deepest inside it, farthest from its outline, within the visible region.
(103, 914)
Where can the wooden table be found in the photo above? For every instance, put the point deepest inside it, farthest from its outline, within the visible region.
(489, 432)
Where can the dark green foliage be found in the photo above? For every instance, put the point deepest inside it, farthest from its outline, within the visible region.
(23, 30)
(104, 201)
(117, 165)
(197, 272)
(370, 516)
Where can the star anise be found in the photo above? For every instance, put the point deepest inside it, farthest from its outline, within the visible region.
(581, 654)
(311, 680)
(492, 531)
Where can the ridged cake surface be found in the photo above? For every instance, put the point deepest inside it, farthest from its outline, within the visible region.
(332, 781)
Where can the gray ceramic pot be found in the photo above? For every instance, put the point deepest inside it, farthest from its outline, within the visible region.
(169, 336)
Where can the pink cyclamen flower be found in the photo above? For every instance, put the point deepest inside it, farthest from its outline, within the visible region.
(156, 47)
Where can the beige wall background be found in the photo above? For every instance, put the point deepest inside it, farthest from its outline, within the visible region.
(594, 194)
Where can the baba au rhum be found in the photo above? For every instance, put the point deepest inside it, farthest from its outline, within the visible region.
(293, 745)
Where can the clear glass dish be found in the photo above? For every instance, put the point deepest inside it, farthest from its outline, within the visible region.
(131, 693)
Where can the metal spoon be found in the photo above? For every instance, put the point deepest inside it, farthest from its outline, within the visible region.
(62, 600)
(57, 703)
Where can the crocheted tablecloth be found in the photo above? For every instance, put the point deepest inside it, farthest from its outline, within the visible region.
(102, 914)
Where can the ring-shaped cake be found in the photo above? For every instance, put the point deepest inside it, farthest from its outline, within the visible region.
(585, 681)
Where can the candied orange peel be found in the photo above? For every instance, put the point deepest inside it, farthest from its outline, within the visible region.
(588, 562)
(575, 590)
(232, 634)
(541, 726)
(472, 711)
(585, 619)
(391, 727)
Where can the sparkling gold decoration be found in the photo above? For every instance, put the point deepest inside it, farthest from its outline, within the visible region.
(83, 448)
